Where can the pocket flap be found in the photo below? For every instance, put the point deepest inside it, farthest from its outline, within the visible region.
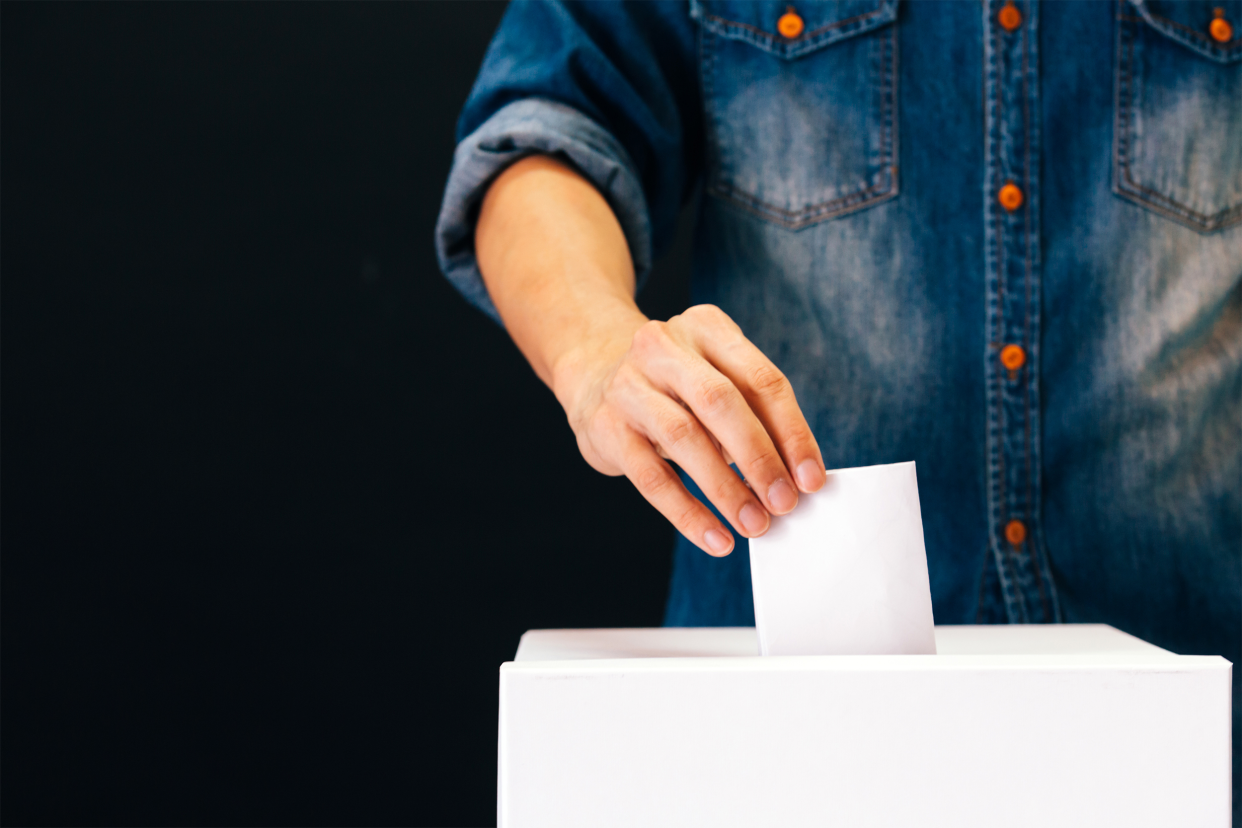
(823, 22)
(1189, 24)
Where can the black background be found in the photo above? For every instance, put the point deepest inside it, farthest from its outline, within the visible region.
(276, 502)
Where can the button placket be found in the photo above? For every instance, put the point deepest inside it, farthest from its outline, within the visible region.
(1012, 301)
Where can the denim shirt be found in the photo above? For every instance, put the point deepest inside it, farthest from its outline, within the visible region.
(1012, 253)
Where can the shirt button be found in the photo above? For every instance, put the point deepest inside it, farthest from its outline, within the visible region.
(790, 25)
(1015, 532)
(1013, 357)
(1219, 29)
(1010, 197)
(1009, 17)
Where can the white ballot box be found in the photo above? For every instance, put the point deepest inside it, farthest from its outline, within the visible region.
(1073, 725)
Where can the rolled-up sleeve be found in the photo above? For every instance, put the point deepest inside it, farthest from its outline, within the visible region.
(608, 87)
(522, 128)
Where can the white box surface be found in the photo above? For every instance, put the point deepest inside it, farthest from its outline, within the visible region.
(1008, 725)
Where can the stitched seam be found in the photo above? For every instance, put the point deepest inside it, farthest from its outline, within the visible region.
(1121, 75)
(1121, 141)
(1026, 327)
(998, 81)
(847, 203)
(1000, 286)
(1128, 84)
(1172, 205)
(888, 106)
(714, 160)
(892, 112)
(1210, 41)
(857, 197)
(775, 38)
(1180, 217)
(797, 223)
(726, 191)
(988, 548)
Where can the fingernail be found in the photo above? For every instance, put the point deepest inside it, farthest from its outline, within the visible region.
(753, 519)
(718, 541)
(810, 476)
(782, 497)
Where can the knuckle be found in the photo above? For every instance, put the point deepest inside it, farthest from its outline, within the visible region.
(594, 441)
(675, 428)
(602, 422)
(688, 515)
(768, 381)
(705, 313)
(583, 422)
(800, 442)
(726, 491)
(714, 394)
(597, 459)
(624, 380)
(767, 463)
(653, 334)
(653, 479)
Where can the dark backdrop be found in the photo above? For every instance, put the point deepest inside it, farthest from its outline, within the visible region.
(276, 502)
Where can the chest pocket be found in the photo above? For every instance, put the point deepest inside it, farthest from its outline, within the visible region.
(801, 112)
(1178, 131)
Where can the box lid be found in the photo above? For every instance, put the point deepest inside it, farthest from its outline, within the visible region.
(723, 642)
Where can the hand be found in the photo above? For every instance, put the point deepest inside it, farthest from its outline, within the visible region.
(693, 390)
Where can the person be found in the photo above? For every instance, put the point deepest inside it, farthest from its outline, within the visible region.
(1003, 240)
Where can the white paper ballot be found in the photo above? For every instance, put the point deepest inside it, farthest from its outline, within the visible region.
(845, 573)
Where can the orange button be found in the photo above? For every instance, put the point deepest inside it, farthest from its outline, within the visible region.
(790, 25)
(1219, 29)
(1015, 532)
(1010, 197)
(1013, 357)
(1009, 17)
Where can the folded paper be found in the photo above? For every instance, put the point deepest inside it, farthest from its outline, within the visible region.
(845, 573)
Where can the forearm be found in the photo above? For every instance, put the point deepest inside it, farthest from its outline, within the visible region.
(557, 267)
(692, 390)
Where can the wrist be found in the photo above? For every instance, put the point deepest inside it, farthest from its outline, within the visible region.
(592, 357)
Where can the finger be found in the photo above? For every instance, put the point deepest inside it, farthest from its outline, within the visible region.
(659, 484)
(770, 396)
(722, 409)
(677, 434)
(723, 451)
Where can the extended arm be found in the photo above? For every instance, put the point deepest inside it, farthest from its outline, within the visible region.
(693, 390)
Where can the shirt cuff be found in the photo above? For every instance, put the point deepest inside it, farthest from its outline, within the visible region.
(527, 127)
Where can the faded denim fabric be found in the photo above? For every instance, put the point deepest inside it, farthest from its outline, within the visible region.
(851, 224)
